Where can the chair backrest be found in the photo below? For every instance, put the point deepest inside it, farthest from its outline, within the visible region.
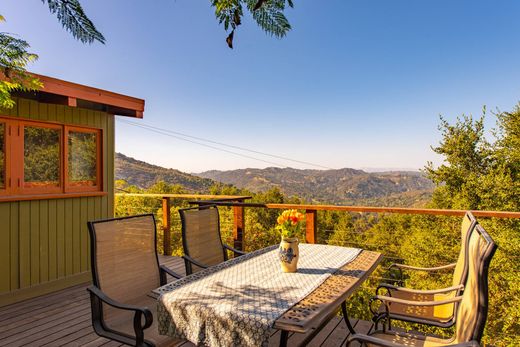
(124, 257)
(472, 310)
(201, 236)
(461, 269)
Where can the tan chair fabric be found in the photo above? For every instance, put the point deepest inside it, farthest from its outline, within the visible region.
(466, 228)
(467, 314)
(126, 260)
(441, 314)
(202, 236)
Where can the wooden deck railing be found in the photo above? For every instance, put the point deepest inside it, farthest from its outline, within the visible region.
(311, 232)
(311, 214)
(166, 204)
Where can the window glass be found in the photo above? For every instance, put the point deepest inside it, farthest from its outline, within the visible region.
(2, 155)
(82, 158)
(41, 156)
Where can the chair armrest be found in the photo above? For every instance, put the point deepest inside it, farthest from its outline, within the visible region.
(193, 261)
(95, 291)
(389, 299)
(391, 288)
(379, 342)
(236, 251)
(165, 270)
(416, 268)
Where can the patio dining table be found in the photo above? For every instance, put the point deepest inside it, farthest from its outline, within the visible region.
(241, 302)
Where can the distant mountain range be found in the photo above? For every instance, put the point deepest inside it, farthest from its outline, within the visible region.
(144, 175)
(334, 186)
(342, 186)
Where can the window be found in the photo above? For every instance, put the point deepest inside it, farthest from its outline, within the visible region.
(47, 158)
(41, 158)
(83, 169)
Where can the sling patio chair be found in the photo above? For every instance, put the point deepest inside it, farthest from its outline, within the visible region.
(440, 316)
(201, 238)
(125, 269)
(471, 311)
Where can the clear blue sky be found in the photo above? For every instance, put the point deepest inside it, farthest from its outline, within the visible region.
(354, 84)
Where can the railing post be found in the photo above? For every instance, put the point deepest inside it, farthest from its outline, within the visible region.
(311, 226)
(238, 227)
(167, 247)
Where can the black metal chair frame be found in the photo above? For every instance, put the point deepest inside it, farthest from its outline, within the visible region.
(188, 260)
(97, 297)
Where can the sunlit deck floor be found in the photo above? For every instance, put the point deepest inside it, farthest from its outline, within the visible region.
(63, 319)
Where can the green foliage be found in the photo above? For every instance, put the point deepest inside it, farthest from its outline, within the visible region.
(467, 155)
(73, 19)
(14, 55)
(143, 175)
(14, 58)
(268, 14)
(485, 176)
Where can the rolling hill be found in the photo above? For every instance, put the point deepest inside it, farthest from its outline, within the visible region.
(342, 186)
(346, 186)
(144, 175)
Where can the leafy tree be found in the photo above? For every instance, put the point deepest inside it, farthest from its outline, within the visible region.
(14, 58)
(481, 175)
(268, 14)
(14, 54)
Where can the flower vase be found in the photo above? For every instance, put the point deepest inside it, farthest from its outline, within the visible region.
(289, 254)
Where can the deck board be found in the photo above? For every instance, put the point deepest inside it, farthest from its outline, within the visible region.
(63, 319)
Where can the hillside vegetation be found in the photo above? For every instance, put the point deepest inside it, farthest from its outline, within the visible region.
(343, 186)
(143, 175)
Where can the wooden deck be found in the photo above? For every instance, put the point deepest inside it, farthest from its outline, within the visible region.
(63, 319)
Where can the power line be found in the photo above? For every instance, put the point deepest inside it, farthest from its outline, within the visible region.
(203, 144)
(153, 128)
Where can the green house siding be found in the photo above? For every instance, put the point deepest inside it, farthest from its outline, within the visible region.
(44, 244)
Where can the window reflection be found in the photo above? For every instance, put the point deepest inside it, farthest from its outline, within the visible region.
(82, 158)
(41, 156)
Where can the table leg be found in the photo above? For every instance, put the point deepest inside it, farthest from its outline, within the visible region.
(284, 336)
(345, 317)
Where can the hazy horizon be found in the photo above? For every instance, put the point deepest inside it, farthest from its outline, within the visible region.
(366, 169)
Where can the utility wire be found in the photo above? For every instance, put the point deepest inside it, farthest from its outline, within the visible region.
(203, 144)
(152, 128)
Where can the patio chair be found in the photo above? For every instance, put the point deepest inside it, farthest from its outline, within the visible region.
(201, 238)
(471, 311)
(125, 269)
(441, 316)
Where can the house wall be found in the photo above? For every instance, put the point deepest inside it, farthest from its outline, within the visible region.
(44, 244)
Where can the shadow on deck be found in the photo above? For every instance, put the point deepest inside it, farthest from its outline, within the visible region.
(63, 319)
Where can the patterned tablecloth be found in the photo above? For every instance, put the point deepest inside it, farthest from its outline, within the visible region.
(237, 302)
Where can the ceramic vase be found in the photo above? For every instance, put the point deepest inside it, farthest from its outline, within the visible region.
(289, 254)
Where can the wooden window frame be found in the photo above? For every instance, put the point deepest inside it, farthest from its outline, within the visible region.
(7, 153)
(14, 187)
(70, 188)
